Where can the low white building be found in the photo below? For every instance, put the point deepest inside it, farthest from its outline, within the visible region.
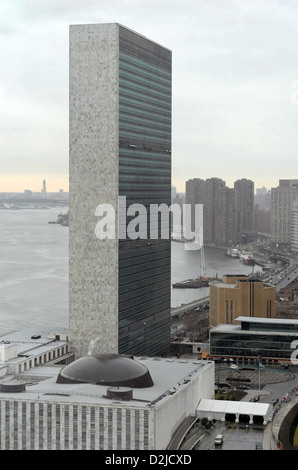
(106, 402)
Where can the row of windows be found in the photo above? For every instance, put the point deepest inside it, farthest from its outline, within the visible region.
(133, 75)
(274, 328)
(152, 188)
(252, 337)
(144, 313)
(140, 158)
(246, 345)
(147, 97)
(154, 140)
(152, 113)
(142, 65)
(43, 358)
(146, 126)
(144, 177)
(150, 279)
(38, 426)
(143, 301)
(141, 174)
(134, 102)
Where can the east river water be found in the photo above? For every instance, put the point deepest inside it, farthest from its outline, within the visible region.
(34, 269)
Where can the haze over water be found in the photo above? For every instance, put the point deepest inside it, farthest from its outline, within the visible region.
(34, 270)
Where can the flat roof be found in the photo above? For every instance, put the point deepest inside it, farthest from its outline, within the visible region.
(233, 407)
(169, 376)
(277, 321)
(32, 342)
(233, 328)
(225, 284)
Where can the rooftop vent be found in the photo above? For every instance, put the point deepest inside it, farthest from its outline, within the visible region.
(119, 393)
(13, 386)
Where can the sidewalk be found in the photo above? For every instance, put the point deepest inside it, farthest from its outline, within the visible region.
(267, 438)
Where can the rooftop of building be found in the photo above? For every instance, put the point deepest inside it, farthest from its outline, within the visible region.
(238, 281)
(169, 376)
(276, 321)
(32, 342)
(285, 326)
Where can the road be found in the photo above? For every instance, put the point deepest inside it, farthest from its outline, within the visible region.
(278, 390)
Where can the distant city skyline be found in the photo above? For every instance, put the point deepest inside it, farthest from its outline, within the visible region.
(20, 183)
(34, 184)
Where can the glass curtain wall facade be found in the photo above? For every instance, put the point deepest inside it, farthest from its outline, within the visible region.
(252, 345)
(144, 178)
(270, 340)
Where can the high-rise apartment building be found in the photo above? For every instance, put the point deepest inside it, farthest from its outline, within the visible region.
(195, 193)
(213, 195)
(244, 210)
(294, 227)
(228, 212)
(282, 199)
(120, 146)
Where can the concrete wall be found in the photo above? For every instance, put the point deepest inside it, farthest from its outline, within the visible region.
(93, 174)
(183, 403)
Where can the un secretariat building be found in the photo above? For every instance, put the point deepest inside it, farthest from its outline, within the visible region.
(120, 145)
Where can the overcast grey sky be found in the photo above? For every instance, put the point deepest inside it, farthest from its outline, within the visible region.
(235, 64)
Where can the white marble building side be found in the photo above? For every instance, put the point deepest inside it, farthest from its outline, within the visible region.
(184, 402)
(26, 425)
(93, 174)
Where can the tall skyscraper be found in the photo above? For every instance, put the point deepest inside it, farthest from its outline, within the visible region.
(216, 213)
(218, 209)
(120, 145)
(44, 189)
(228, 213)
(294, 227)
(195, 193)
(244, 210)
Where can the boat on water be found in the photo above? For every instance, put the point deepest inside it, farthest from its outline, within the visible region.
(201, 281)
(248, 259)
(233, 252)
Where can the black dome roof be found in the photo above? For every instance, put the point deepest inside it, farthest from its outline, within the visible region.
(107, 369)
